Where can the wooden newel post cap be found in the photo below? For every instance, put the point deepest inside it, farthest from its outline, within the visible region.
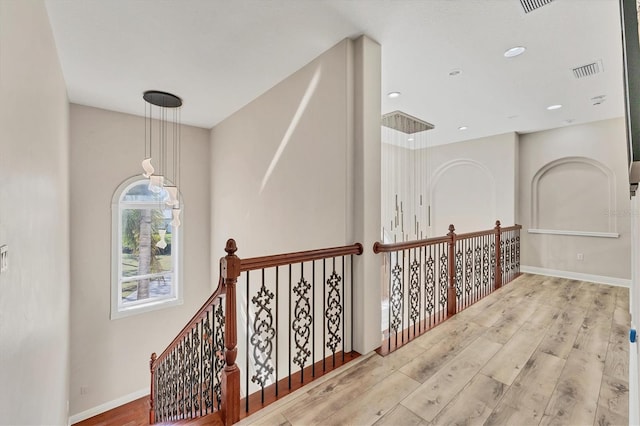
(152, 360)
(231, 247)
(497, 224)
(451, 229)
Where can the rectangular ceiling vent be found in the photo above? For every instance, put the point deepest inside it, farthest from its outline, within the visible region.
(531, 5)
(588, 69)
(405, 123)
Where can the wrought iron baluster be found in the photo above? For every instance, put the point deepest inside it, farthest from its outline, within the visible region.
(493, 264)
(333, 311)
(183, 374)
(207, 370)
(195, 370)
(414, 292)
(458, 271)
(277, 339)
(395, 297)
(246, 356)
(444, 279)
(313, 316)
(263, 335)
(468, 271)
(430, 293)
(219, 348)
(302, 323)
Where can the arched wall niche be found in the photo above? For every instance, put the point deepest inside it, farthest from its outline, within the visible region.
(462, 192)
(574, 196)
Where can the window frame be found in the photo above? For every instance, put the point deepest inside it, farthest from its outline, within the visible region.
(176, 298)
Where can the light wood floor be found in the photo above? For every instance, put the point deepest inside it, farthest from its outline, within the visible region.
(538, 351)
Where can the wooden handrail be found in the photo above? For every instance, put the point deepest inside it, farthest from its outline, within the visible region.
(379, 247)
(206, 307)
(468, 235)
(262, 262)
(511, 228)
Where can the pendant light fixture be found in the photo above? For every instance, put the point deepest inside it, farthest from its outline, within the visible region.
(161, 164)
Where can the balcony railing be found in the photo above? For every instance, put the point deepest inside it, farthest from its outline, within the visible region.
(294, 323)
(427, 281)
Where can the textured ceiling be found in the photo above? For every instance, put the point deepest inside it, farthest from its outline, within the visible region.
(219, 55)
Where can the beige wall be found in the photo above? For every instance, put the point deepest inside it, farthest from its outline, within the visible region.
(34, 220)
(110, 357)
(575, 194)
(298, 128)
(285, 171)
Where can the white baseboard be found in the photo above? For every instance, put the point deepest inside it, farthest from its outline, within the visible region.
(619, 282)
(110, 405)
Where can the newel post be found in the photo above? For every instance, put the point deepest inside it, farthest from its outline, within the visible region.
(451, 291)
(230, 269)
(498, 267)
(152, 405)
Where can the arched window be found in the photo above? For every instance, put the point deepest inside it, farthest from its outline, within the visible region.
(146, 250)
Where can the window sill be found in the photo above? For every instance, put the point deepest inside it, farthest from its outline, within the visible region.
(118, 313)
(574, 233)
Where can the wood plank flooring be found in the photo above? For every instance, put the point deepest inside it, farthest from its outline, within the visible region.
(539, 351)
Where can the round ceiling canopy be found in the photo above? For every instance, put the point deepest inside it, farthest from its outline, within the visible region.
(162, 99)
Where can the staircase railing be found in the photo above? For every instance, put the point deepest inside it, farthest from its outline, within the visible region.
(430, 280)
(295, 324)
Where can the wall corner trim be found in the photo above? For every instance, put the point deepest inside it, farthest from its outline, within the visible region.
(109, 405)
(598, 279)
(576, 233)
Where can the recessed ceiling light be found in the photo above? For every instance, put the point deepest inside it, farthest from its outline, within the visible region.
(455, 72)
(552, 107)
(410, 139)
(462, 128)
(393, 95)
(514, 51)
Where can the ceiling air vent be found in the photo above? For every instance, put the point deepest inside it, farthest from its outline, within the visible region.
(531, 5)
(587, 70)
(405, 123)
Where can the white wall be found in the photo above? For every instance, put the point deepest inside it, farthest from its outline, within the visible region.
(110, 357)
(285, 167)
(565, 198)
(34, 220)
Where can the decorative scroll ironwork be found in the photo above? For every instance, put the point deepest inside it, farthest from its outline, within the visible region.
(333, 311)
(430, 286)
(302, 322)
(477, 259)
(518, 252)
(414, 291)
(513, 253)
(444, 280)
(493, 262)
(207, 360)
(395, 298)
(218, 360)
(195, 369)
(263, 335)
(507, 255)
(502, 259)
(183, 382)
(458, 272)
(485, 265)
(172, 384)
(468, 270)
